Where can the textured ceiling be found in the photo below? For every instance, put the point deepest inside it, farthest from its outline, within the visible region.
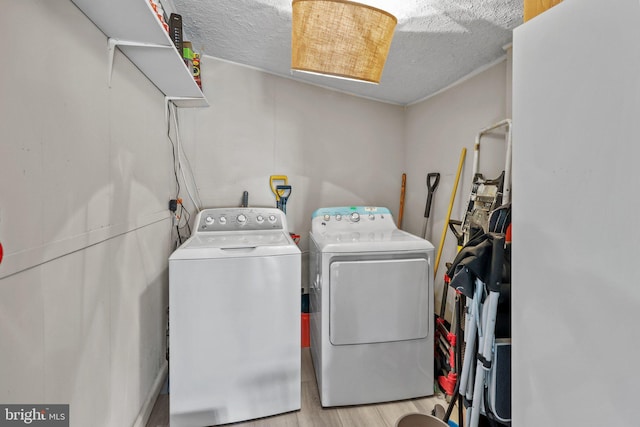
(436, 42)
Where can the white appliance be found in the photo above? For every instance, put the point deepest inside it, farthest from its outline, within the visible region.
(234, 319)
(576, 242)
(371, 306)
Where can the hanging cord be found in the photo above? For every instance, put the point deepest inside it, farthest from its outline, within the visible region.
(173, 151)
(175, 219)
(185, 217)
(180, 221)
(179, 150)
(181, 216)
(177, 224)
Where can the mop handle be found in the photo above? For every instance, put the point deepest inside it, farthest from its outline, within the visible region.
(453, 198)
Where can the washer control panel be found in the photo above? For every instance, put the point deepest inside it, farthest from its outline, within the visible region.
(240, 219)
(351, 218)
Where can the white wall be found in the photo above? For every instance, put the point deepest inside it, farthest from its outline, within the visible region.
(85, 176)
(575, 298)
(336, 149)
(436, 131)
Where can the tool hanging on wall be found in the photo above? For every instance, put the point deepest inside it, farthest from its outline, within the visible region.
(403, 189)
(433, 179)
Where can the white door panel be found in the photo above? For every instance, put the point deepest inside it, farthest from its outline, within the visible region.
(378, 301)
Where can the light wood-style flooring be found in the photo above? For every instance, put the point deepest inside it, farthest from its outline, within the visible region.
(312, 414)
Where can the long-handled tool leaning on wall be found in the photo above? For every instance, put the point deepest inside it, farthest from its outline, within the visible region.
(403, 190)
(453, 198)
(433, 179)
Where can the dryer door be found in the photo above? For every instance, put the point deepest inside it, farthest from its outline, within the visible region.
(378, 300)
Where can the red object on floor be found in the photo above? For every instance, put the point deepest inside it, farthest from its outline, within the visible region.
(305, 330)
(448, 383)
(0, 253)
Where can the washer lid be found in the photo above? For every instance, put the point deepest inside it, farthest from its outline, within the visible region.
(234, 244)
(238, 239)
(378, 241)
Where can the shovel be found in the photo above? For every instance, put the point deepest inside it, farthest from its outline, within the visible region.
(433, 179)
(283, 191)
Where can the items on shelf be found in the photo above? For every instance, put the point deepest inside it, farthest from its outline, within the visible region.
(187, 54)
(159, 11)
(192, 61)
(175, 30)
(134, 28)
(196, 70)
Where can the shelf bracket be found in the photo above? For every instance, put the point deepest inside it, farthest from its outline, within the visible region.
(113, 43)
(168, 99)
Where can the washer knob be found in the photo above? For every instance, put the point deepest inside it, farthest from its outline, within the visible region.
(272, 218)
(209, 220)
(327, 217)
(260, 219)
(372, 217)
(223, 220)
(355, 216)
(242, 218)
(338, 217)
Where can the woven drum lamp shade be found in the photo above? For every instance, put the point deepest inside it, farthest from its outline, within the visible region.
(340, 38)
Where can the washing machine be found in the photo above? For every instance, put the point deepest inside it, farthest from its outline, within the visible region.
(371, 307)
(234, 319)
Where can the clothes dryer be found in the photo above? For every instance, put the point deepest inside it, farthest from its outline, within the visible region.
(234, 319)
(371, 307)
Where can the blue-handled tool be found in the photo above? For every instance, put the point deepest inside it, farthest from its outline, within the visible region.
(283, 191)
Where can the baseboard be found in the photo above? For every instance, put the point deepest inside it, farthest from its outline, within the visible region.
(147, 407)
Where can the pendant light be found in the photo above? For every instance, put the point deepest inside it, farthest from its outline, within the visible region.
(340, 38)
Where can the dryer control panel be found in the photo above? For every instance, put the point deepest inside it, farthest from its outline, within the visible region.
(362, 218)
(240, 219)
